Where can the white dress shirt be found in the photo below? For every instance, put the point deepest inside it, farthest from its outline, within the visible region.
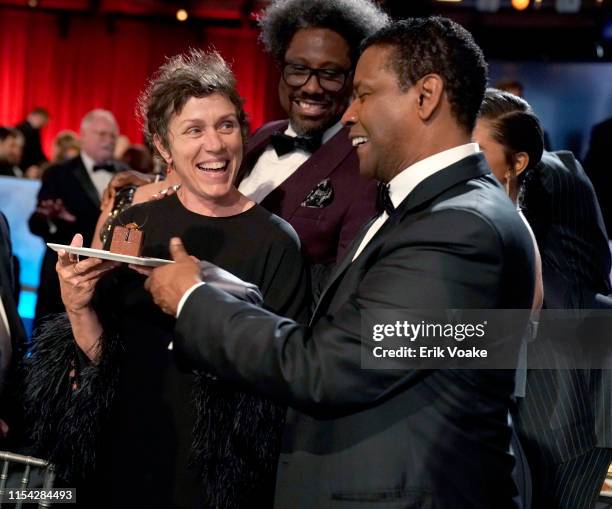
(404, 182)
(100, 178)
(270, 171)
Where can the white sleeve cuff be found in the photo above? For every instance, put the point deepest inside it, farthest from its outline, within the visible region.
(186, 296)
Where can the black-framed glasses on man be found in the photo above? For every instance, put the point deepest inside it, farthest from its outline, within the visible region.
(297, 75)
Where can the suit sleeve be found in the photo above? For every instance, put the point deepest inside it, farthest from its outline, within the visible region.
(451, 259)
(57, 230)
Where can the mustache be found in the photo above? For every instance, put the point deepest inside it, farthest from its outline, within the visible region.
(311, 97)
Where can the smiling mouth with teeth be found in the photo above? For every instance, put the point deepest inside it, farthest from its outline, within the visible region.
(217, 166)
(359, 140)
(310, 106)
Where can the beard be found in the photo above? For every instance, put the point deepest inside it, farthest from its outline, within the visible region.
(315, 126)
(310, 128)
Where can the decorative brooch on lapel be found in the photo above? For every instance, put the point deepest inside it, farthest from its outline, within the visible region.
(320, 196)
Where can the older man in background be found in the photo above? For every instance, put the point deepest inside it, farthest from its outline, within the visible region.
(69, 200)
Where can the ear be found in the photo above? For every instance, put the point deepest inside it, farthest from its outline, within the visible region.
(429, 89)
(520, 160)
(159, 145)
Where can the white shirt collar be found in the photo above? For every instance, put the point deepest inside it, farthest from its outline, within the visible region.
(327, 135)
(88, 162)
(404, 182)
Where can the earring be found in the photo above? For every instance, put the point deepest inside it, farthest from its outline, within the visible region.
(507, 182)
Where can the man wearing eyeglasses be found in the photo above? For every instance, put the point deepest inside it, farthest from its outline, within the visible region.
(305, 169)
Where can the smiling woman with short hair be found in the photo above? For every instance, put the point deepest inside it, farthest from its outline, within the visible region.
(111, 405)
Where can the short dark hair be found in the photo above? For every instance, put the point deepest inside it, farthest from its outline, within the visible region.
(40, 111)
(9, 132)
(354, 20)
(436, 45)
(193, 74)
(513, 124)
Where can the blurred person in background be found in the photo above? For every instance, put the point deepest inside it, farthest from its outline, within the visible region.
(33, 154)
(566, 438)
(11, 147)
(138, 158)
(123, 143)
(66, 146)
(69, 200)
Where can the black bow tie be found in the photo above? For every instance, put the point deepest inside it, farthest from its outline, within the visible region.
(104, 166)
(383, 201)
(284, 144)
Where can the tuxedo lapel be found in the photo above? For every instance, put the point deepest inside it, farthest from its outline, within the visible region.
(80, 174)
(341, 266)
(288, 197)
(468, 168)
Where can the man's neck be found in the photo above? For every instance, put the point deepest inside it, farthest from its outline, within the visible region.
(90, 160)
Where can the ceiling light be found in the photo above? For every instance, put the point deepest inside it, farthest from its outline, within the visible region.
(182, 15)
(520, 5)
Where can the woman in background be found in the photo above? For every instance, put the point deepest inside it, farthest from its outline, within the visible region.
(510, 136)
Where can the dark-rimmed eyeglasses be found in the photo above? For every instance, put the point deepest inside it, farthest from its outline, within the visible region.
(297, 75)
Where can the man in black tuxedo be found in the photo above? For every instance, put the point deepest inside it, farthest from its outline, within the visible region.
(12, 335)
(69, 200)
(304, 169)
(448, 238)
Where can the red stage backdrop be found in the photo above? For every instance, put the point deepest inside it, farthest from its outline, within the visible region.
(72, 64)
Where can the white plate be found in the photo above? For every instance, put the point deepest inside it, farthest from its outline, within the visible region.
(107, 255)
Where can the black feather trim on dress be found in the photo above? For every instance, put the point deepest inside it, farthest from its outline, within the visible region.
(236, 445)
(68, 409)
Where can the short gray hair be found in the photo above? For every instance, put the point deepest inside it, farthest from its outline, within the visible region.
(98, 112)
(192, 74)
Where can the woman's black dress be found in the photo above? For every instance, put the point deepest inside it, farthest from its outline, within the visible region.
(146, 408)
